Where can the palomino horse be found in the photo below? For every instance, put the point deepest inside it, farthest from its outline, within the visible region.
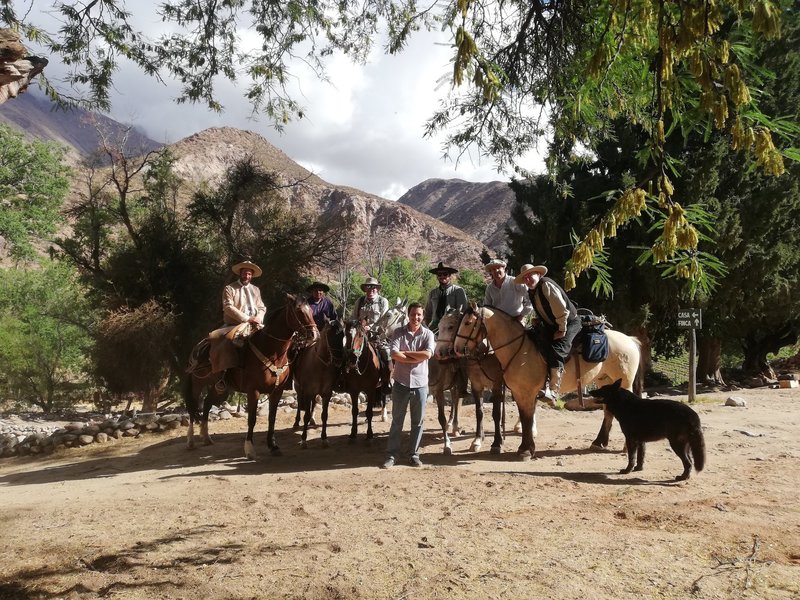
(316, 370)
(483, 371)
(525, 369)
(263, 371)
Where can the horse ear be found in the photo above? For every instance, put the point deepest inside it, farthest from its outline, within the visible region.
(617, 384)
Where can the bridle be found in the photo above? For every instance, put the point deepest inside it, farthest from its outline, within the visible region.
(310, 333)
(353, 332)
(474, 334)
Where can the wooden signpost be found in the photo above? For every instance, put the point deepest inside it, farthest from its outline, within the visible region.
(691, 319)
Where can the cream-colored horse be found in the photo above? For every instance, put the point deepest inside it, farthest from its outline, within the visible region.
(525, 369)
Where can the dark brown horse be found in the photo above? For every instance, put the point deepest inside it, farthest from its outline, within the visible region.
(316, 370)
(264, 371)
(361, 374)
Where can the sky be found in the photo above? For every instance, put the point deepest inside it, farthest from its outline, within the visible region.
(364, 131)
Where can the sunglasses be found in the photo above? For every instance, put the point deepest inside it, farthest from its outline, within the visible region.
(370, 287)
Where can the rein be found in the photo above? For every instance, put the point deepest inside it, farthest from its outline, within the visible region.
(473, 337)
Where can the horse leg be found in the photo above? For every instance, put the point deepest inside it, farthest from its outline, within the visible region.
(296, 425)
(384, 403)
(274, 398)
(443, 422)
(497, 415)
(527, 448)
(478, 440)
(252, 409)
(601, 441)
(371, 396)
(354, 410)
(207, 404)
(326, 399)
(306, 422)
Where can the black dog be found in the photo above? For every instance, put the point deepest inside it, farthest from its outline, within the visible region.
(652, 420)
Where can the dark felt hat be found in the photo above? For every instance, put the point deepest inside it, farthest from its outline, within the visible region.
(441, 268)
(318, 285)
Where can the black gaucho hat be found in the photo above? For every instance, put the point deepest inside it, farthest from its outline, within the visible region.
(318, 285)
(441, 268)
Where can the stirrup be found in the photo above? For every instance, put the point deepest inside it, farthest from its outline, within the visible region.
(220, 386)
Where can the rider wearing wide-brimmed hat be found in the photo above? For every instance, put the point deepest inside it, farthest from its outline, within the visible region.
(559, 318)
(322, 308)
(368, 310)
(243, 313)
(443, 297)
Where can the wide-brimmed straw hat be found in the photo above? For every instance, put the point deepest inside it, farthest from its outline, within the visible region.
(318, 285)
(541, 269)
(370, 281)
(495, 262)
(247, 265)
(441, 268)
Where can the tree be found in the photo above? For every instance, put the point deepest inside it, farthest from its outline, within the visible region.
(44, 335)
(520, 68)
(33, 185)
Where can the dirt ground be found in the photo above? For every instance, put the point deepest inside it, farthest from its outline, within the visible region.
(148, 519)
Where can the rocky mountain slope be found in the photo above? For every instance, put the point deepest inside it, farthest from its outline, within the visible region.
(397, 228)
(483, 210)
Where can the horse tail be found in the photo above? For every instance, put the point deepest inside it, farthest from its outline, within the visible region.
(698, 445)
(188, 397)
(638, 379)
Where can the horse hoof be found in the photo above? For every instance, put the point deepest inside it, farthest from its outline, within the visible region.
(250, 451)
(448, 451)
(595, 447)
(496, 450)
(304, 445)
(208, 442)
(190, 446)
(475, 448)
(525, 456)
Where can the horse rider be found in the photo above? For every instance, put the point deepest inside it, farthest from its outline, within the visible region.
(505, 293)
(243, 313)
(321, 306)
(444, 297)
(368, 310)
(559, 321)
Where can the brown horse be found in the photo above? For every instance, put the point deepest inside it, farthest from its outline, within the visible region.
(524, 366)
(482, 370)
(316, 370)
(264, 370)
(361, 374)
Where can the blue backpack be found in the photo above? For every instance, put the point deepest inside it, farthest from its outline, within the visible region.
(593, 336)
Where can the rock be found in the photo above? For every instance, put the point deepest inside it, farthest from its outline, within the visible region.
(127, 424)
(735, 401)
(101, 438)
(146, 419)
(75, 426)
(169, 418)
(130, 432)
(91, 430)
(118, 433)
(152, 426)
(85, 440)
(172, 424)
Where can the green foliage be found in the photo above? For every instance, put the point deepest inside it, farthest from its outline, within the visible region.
(407, 279)
(474, 284)
(33, 185)
(44, 335)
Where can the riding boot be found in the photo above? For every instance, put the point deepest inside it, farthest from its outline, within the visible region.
(552, 386)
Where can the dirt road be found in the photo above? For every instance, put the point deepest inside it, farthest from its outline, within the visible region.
(149, 519)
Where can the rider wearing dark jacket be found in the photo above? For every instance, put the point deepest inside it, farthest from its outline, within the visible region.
(559, 319)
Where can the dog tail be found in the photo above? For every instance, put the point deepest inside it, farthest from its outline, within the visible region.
(698, 446)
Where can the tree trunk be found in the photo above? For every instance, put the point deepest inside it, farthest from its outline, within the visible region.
(149, 401)
(757, 346)
(709, 362)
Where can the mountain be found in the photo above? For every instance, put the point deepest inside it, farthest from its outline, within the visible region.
(397, 229)
(482, 210)
(75, 128)
(391, 228)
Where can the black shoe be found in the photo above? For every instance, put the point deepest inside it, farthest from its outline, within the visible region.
(386, 389)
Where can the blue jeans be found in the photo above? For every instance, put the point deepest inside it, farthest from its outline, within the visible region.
(402, 397)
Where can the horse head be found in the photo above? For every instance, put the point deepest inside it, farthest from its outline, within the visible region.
(334, 334)
(446, 336)
(301, 321)
(471, 331)
(392, 319)
(355, 342)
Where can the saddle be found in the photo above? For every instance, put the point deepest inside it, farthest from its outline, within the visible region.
(591, 343)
